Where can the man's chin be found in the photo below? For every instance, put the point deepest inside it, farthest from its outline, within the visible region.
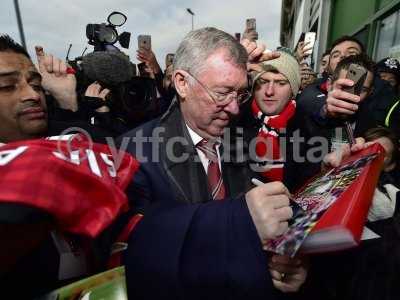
(37, 128)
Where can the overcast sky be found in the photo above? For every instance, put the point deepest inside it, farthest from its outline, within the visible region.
(55, 24)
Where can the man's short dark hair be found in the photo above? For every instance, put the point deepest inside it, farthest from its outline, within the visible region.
(346, 38)
(7, 44)
(360, 59)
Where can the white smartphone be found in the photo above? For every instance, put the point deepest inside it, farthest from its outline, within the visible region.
(251, 24)
(309, 39)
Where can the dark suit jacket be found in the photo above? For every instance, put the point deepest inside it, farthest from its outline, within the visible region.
(186, 246)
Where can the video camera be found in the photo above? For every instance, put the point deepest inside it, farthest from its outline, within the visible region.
(103, 36)
(132, 100)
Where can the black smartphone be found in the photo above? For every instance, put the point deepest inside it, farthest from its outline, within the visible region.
(237, 36)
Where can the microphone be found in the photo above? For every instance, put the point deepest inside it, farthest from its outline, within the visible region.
(109, 68)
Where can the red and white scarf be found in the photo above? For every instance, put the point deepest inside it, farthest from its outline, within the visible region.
(267, 144)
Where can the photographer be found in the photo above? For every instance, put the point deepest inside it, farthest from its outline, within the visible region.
(111, 99)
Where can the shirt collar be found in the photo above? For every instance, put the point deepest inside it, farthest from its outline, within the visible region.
(197, 138)
(194, 136)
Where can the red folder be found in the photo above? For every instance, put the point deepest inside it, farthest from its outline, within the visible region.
(341, 225)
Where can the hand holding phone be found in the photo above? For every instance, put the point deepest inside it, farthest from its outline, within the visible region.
(309, 41)
(341, 105)
(250, 32)
(169, 59)
(144, 42)
(357, 74)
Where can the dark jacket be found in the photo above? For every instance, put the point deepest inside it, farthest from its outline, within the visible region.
(187, 246)
(313, 97)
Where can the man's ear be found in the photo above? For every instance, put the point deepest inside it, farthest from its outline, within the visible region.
(180, 82)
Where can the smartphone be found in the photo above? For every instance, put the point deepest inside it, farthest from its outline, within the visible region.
(357, 74)
(169, 59)
(309, 38)
(251, 30)
(251, 24)
(142, 70)
(144, 41)
(237, 36)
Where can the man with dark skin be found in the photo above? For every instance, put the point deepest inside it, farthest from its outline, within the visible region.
(23, 116)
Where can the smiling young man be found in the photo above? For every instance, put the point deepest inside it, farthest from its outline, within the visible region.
(273, 108)
(276, 135)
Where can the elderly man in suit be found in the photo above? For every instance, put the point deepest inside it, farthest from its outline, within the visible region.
(204, 225)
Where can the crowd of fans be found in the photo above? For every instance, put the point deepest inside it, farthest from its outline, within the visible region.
(194, 228)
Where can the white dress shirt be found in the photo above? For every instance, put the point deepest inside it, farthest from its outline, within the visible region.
(204, 160)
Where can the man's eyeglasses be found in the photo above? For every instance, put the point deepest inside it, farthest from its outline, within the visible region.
(223, 99)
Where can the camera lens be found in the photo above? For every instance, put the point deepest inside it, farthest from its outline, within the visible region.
(108, 35)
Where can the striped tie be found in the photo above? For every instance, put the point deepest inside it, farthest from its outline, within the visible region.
(215, 182)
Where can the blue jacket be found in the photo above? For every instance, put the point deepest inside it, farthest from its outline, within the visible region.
(187, 246)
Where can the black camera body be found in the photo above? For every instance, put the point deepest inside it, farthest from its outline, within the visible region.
(103, 36)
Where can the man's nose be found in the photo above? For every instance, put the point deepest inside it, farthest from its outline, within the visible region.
(232, 107)
(29, 93)
(269, 89)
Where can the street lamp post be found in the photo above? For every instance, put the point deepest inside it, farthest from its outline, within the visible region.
(192, 14)
(20, 27)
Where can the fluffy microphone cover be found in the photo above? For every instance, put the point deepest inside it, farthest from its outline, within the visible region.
(110, 68)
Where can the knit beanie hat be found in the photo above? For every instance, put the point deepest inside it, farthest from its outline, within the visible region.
(285, 64)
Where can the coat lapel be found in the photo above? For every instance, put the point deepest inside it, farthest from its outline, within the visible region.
(180, 160)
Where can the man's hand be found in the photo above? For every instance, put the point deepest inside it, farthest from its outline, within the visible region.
(257, 54)
(288, 274)
(335, 158)
(56, 80)
(269, 208)
(301, 52)
(148, 57)
(167, 80)
(95, 90)
(250, 34)
(307, 75)
(340, 102)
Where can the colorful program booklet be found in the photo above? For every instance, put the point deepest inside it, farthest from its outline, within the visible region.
(108, 285)
(334, 207)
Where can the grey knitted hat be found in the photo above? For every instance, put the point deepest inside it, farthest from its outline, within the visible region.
(287, 65)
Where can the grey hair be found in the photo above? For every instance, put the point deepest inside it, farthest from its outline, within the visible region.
(200, 44)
